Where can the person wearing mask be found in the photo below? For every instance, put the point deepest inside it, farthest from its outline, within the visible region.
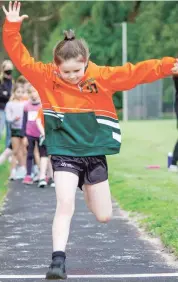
(6, 84)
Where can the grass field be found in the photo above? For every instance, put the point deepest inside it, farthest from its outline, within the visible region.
(4, 173)
(152, 193)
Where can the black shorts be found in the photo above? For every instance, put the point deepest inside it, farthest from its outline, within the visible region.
(16, 133)
(90, 170)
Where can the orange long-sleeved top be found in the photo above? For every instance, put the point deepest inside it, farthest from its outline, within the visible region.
(111, 78)
(92, 95)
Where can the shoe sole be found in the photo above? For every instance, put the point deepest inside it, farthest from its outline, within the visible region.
(55, 275)
(42, 186)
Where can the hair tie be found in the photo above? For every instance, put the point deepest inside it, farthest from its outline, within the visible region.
(69, 39)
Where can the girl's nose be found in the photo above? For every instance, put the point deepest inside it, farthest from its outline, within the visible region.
(72, 75)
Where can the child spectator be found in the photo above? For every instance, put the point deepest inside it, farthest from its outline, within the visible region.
(14, 115)
(45, 162)
(31, 130)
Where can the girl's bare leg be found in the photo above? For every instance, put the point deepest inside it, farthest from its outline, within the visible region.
(98, 199)
(66, 186)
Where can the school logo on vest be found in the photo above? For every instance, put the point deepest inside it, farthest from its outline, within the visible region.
(56, 85)
(89, 85)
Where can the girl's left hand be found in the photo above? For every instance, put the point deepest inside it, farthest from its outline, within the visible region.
(12, 14)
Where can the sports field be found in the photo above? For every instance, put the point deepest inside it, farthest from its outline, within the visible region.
(152, 193)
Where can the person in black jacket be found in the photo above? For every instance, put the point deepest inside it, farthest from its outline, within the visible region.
(5, 93)
(173, 167)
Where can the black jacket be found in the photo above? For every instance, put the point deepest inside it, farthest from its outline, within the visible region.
(5, 91)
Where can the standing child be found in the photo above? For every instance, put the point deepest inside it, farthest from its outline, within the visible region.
(81, 124)
(31, 130)
(45, 162)
(14, 115)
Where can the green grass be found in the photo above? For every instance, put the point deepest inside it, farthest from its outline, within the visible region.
(4, 173)
(151, 193)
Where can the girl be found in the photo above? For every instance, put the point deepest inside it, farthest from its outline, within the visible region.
(31, 130)
(81, 124)
(45, 162)
(14, 115)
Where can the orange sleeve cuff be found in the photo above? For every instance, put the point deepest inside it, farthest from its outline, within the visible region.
(12, 25)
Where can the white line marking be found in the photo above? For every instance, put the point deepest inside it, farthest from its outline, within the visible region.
(145, 275)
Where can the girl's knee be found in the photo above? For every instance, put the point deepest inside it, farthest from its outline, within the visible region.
(65, 208)
(105, 217)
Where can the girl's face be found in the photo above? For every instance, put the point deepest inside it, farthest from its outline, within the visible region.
(18, 94)
(72, 70)
(33, 94)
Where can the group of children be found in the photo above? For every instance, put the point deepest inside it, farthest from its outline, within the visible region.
(29, 159)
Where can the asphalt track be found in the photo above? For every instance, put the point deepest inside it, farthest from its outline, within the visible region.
(98, 252)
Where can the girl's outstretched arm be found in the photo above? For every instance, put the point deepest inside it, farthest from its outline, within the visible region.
(33, 71)
(128, 76)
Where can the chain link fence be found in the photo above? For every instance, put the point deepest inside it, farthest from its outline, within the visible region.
(152, 101)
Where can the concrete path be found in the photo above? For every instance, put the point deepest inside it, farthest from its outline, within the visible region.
(96, 252)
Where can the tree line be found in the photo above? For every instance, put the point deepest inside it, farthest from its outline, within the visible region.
(152, 29)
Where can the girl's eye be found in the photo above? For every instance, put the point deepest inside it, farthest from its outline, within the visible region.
(77, 70)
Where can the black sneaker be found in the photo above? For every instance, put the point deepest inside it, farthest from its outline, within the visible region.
(51, 183)
(57, 269)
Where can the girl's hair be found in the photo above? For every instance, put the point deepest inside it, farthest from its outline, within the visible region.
(30, 89)
(71, 48)
(21, 79)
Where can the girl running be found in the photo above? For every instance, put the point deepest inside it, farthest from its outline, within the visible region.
(81, 124)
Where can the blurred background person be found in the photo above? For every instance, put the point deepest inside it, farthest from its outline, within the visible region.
(6, 83)
(31, 130)
(173, 167)
(14, 114)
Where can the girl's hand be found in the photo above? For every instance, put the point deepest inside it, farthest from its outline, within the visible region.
(41, 139)
(17, 118)
(13, 14)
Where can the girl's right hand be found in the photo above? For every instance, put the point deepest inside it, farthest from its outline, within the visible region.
(13, 14)
(17, 118)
